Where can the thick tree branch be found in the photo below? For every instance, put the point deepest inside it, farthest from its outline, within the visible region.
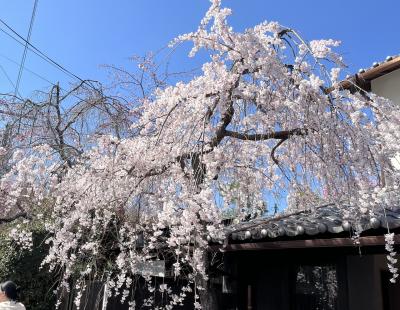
(220, 133)
(284, 134)
(10, 219)
(274, 149)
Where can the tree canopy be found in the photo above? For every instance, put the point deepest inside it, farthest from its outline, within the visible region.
(265, 121)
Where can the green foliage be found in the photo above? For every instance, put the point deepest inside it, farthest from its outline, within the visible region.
(24, 269)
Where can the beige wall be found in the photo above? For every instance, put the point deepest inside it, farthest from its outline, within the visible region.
(388, 86)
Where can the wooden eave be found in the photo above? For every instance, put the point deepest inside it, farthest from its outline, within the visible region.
(304, 244)
(363, 79)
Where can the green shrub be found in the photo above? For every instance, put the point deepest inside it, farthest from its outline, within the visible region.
(23, 267)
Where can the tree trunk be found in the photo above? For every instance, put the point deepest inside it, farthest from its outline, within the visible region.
(208, 296)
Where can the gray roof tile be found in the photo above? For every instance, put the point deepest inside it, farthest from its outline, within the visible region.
(327, 219)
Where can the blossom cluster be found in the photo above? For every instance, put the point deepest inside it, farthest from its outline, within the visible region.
(391, 257)
(256, 127)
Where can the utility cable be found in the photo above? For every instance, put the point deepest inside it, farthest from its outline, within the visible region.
(16, 63)
(21, 67)
(27, 69)
(42, 54)
(7, 76)
(37, 75)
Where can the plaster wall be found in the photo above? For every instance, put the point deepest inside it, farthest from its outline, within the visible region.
(388, 86)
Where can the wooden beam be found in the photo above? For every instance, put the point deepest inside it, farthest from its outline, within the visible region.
(380, 70)
(364, 79)
(304, 244)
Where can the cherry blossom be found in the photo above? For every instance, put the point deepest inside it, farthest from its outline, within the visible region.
(266, 121)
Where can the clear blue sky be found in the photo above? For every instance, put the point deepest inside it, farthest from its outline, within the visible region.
(83, 34)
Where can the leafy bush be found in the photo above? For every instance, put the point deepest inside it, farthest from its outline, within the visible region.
(23, 267)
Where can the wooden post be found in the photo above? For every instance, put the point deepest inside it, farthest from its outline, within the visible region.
(105, 297)
(249, 304)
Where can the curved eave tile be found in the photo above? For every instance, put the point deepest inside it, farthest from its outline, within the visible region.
(327, 219)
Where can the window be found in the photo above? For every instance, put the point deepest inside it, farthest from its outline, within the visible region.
(316, 288)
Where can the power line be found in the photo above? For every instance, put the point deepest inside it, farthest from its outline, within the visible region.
(21, 67)
(19, 42)
(39, 52)
(16, 63)
(27, 69)
(34, 73)
(15, 39)
(42, 54)
(7, 76)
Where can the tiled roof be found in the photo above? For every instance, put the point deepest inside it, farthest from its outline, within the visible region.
(327, 219)
(377, 64)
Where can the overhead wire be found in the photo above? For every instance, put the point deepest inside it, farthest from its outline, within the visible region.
(7, 76)
(41, 54)
(25, 68)
(21, 67)
(28, 70)
(37, 75)
(29, 46)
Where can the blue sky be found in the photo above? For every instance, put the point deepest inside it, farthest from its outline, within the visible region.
(82, 35)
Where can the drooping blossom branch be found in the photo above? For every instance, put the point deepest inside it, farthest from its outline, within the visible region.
(257, 126)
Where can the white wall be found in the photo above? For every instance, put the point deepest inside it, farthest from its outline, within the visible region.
(388, 86)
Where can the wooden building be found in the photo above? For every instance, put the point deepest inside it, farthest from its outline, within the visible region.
(302, 262)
